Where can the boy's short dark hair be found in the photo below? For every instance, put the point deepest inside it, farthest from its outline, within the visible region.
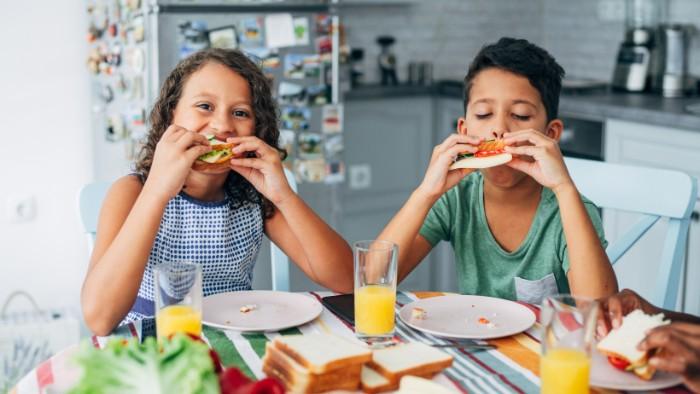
(523, 58)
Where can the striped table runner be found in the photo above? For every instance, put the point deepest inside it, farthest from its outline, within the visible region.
(511, 368)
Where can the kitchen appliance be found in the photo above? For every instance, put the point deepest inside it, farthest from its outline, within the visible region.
(672, 76)
(635, 57)
(387, 61)
(420, 73)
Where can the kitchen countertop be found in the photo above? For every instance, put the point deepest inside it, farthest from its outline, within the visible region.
(595, 105)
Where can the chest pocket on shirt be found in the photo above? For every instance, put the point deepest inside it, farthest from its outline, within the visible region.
(534, 291)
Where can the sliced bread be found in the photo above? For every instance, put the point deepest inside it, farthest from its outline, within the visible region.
(412, 358)
(320, 353)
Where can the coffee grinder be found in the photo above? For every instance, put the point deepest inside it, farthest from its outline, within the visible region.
(635, 58)
(387, 61)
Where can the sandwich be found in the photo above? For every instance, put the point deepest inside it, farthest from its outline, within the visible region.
(620, 345)
(218, 158)
(489, 153)
(390, 365)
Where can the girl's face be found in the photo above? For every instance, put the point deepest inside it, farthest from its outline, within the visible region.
(500, 102)
(216, 101)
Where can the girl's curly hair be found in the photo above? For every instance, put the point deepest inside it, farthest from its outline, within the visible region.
(238, 189)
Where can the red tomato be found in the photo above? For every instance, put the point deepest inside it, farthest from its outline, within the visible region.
(618, 363)
(487, 153)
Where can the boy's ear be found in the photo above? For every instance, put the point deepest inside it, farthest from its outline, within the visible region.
(554, 129)
(461, 125)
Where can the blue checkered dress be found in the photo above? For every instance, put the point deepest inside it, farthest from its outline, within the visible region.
(223, 240)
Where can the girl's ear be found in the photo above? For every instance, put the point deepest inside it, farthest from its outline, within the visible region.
(554, 129)
(462, 125)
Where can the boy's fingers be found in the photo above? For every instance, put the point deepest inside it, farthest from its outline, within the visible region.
(615, 312)
(690, 329)
(663, 338)
(531, 136)
(527, 150)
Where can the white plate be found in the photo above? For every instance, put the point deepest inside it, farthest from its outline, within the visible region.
(457, 316)
(274, 310)
(604, 375)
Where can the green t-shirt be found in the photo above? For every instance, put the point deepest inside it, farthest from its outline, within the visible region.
(537, 268)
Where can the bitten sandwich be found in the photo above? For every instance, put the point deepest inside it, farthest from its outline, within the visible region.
(218, 158)
(489, 153)
(620, 345)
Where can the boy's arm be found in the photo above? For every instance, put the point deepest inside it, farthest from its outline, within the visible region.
(590, 273)
(403, 228)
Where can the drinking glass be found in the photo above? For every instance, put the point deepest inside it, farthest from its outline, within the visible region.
(568, 324)
(178, 290)
(375, 291)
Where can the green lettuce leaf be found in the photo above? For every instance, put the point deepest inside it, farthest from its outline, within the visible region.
(178, 365)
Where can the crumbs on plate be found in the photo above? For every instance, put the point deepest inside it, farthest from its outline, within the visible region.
(418, 313)
(486, 322)
(248, 308)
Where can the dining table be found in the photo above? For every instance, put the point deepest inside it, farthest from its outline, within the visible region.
(511, 366)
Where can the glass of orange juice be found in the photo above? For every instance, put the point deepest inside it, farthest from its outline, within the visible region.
(568, 324)
(178, 288)
(375, 291)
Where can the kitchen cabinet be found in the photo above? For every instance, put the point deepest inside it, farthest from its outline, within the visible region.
(661, 147)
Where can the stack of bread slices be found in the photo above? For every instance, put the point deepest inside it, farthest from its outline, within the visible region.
(317, 363)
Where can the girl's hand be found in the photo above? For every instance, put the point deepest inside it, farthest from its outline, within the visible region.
(438, 177)
(547, 168)
(177, 149)
(264, 171)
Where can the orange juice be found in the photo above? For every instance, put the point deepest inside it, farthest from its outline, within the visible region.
(374, 310)
(565, 371)
(178, 318)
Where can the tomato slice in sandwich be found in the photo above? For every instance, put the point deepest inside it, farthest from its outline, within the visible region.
(618, 362)
(490, 148)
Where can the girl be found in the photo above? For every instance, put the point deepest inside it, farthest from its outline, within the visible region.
(216, 217)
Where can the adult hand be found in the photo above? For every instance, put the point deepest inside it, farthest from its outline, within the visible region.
(174, 155)
(546, 163)
(264, 171)
(677, 348)
(438, 177)
(615, 307)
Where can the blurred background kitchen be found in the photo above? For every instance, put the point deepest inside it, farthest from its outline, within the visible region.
(361, 106)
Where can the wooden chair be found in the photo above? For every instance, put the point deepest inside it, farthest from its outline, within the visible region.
(654, 193)
(90, 201)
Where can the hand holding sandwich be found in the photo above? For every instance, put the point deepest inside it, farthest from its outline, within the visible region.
(438, 177)
(175, 152)
(677, 350)
(538, 156)
(263, 170)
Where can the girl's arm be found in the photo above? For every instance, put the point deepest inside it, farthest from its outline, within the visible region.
(590, 272)
(316, 248)
(128, 223)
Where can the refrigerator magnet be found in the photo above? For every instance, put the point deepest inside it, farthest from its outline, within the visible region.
(310, 146)
(295, 118)
(251, 33)
(333, 146)
(318, 94)
(335, 173)
(223, 37)
(279, 30)
(291, 93)
(332, 118)
(301, 31)
(310, 170)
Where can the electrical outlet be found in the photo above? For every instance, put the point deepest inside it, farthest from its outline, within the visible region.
(611, 10)
(20, 208)
(360, 176)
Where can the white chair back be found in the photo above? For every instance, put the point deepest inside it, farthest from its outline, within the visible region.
(90, 200)
(654, 193)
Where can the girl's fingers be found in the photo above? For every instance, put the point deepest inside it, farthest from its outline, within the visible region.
(190, 138)
(256, 163)
(172, 133)
(195, 151)
(254, 145)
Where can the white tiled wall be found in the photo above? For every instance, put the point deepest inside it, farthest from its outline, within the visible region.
(450, 32)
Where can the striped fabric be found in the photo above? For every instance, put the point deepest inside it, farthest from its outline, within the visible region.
(511, 368)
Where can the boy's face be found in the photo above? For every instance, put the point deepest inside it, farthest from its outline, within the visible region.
(499, 102)
(216, 101)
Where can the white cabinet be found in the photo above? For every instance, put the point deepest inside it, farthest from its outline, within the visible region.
(661, 147)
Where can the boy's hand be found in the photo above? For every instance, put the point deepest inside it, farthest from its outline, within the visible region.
(615, 307)
(438, 177)
(540, 158)
(678, 351)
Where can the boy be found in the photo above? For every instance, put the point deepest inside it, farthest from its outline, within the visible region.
(520, 231)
